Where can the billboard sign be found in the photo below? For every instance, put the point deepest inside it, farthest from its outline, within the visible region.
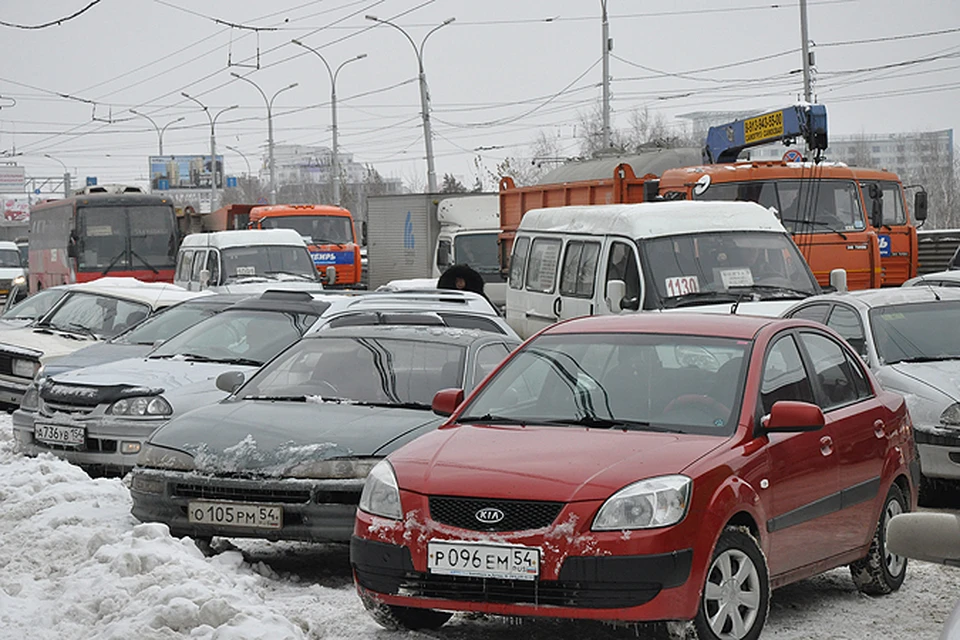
(12, 177)
(183, 172)
(16, 210)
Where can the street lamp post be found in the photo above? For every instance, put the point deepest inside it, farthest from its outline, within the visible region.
(269, 103)
(160, 130)
(213, 146)
(66, 175)
(333, 117)
(241, 154)
(424, 95)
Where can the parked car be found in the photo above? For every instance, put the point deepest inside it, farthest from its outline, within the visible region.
(98, 417)
(642, 467)
(144, 337)
(83, 415)
(248, 261)
(948, 278)
(12, 272)
(285, 456)
(909, 339)
(931, 537)
(83, 315)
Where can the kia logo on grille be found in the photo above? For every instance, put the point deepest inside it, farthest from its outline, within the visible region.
(489, 515)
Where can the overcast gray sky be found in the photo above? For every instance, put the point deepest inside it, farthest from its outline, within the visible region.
(499, 74)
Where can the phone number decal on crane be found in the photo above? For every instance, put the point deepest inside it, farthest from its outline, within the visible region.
(769, 125)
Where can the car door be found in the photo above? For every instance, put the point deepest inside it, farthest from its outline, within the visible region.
(539, 304)
(845, 320)
(859, 425)
(803, 473)
(622, 264)
(578, 277)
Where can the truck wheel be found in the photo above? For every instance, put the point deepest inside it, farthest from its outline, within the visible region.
(881, 571)
(395, 618)
(736, 594)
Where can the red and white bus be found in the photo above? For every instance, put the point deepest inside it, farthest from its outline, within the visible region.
(88, 236)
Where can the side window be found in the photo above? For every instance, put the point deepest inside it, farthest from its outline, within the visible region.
(488, 357)
(213, 266)
(622, 265)
(542, 264)
(846, 322)
(518, 262)
(186, 263)
(784, 376)
(198, 264)
(813, 312)
(579, 269)
(833, 375)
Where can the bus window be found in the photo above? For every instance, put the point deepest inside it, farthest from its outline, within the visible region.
(101, 237)
(153, 239)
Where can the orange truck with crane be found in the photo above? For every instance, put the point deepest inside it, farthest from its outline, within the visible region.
(840, 217)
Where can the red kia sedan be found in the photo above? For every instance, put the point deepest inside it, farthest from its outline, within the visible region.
(648, 467)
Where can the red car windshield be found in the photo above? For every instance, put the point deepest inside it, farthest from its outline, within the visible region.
(677, 383)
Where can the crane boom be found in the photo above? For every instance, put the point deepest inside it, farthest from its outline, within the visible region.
(807, 121)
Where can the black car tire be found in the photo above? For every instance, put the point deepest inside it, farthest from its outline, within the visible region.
(881, 571)
(395, 618)
(736, 556)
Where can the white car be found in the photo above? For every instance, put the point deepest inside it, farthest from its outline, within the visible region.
(85, 313)
(11, 268)
(948, 278)
(909, 339)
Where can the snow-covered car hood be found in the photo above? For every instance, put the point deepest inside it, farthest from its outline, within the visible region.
(186, 385)
(459, 460)
(97, 353)
(270, 438)
(257, 284)
(41, 342)
(768, 308)
(929, 387)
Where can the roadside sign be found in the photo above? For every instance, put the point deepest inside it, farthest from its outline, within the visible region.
(12, 178)
(261, 200)
(792, 155)
(91, 181)
(163, 184)
(231, 182)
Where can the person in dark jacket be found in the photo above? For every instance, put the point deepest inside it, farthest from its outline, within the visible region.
(461, 276)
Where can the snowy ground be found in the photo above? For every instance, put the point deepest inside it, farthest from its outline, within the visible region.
(75, 564)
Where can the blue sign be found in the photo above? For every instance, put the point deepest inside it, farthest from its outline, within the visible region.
(231, 182)
(409, 240)
(793, 155)
(326, 258)
(885, 249)
(91, 181)
(163, 184)
(36, 191)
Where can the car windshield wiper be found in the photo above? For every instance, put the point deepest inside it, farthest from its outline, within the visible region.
(289, 273)
(698, 297)
(300, 398)
(395, 405)
(141, 259)
(113, 262)
(917, 359)
(243, 362)
(595, 422)
(75, 327)
(786, 292)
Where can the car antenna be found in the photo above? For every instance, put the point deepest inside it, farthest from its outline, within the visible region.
(932, 288)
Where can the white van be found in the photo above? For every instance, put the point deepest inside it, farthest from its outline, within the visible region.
(11, 268)
(246, 261)
(656, 256)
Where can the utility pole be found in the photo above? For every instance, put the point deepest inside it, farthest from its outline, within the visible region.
(607, 48)
(807, 56)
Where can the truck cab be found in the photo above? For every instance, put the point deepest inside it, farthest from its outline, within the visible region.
(329, 233)
(469, 228)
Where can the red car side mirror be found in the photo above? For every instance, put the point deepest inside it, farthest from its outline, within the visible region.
(790, 416)
(446, 401)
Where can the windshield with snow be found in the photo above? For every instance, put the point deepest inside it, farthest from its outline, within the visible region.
(270, 261)
(618, 381)
(368, 370)
(923, 332)
(94, 315)
(237, 336)
(707, 268)
(319, 229)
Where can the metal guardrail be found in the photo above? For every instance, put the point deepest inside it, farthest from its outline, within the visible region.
(935, 248)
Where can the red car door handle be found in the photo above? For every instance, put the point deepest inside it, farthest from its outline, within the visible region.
(878, 429)
(826, 445)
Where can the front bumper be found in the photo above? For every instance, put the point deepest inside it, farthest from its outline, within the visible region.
(648, 575)
(313, 510)
(110, 446)
(939, 451)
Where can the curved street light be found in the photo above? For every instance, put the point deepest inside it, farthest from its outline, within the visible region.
(160, 130)
(66, 174)
(333, 117)
(213, 146)
(269, 103)
(241, 154)
(424, 94)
